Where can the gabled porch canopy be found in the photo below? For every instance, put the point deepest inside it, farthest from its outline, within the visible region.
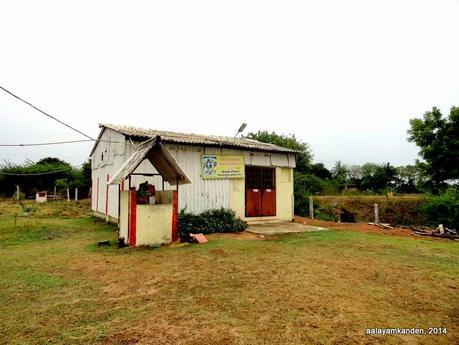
(159, 157)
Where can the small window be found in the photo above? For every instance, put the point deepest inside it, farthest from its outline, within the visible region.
(259, 177)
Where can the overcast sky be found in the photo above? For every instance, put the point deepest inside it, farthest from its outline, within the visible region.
(344, 76)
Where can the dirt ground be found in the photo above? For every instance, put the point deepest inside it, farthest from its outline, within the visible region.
(244, 235)
(361, 227)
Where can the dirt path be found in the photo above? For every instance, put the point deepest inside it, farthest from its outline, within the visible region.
(360, 227)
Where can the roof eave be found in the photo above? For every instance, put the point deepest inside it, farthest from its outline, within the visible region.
(247, 148)
(97, 140)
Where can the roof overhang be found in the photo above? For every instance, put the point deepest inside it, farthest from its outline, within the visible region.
(159, 157)
(102, 129)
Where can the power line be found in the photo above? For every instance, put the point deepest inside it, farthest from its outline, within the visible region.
(50, 143)
(35, 174)
(62, 142)
(41, 111)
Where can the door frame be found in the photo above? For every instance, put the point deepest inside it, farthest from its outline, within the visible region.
(261, 190)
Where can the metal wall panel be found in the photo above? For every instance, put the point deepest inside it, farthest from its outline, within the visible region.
(114, 156)
(200, 195)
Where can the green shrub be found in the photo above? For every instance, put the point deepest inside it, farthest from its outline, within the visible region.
(301, 203)
(22, 196)
(330, 187)
(326, 212)
(304, 186)
(443, 209)
(308, 183)
(210, 221)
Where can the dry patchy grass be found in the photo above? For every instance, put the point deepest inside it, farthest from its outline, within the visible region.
(323, 287)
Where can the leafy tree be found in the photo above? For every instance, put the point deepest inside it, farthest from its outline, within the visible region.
(319, 170)
(304, 155)
(304, 186)
(310, 184)
(438, 140)
(52, 161)
(340, 172)
(378, 177)
(355, 172)
(61, 185)
(355, 176)
(83, 178)
(409, 179)
(443, 209)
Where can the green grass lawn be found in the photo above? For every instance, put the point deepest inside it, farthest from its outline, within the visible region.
(328, 287)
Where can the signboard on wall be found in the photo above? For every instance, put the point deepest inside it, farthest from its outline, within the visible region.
(222, 166)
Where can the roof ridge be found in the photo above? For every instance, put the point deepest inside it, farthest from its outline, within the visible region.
(110, 125)
(193, 138)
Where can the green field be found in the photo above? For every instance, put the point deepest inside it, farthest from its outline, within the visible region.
(58, 287)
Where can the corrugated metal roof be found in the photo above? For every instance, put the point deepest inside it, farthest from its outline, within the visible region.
(197, 139)
(161, 159)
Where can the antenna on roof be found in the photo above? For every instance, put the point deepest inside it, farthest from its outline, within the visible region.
(241, 129)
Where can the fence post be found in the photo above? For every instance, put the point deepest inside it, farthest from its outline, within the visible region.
(17, 192)
(311, 207)
(376, 212)
(68, 195)
(76, 194)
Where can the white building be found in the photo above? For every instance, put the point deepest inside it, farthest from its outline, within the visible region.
(254, 179)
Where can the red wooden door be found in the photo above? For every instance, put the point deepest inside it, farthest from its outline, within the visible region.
(268, 202)
(260, 192)
(253, 202)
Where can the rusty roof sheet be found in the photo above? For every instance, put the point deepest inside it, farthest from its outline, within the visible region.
(197, 139)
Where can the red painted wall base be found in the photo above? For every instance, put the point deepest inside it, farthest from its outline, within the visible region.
(132, 217)
(174, 216)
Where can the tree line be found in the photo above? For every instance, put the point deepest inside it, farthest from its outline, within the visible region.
(45, 175)
(436, 173)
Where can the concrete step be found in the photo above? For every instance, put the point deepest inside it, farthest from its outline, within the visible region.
(263, 220)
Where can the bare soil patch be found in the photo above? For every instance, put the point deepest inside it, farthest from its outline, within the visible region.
(361, 227)
(244, 235)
